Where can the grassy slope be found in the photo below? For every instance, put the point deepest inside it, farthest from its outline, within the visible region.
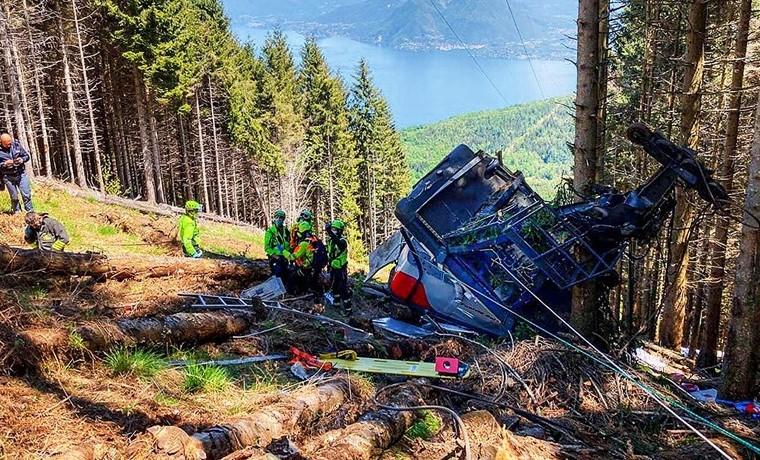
(113, 230)
(533, 137)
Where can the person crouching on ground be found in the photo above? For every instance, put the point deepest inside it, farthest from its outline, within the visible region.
(188, 230)
(13, 172)
(277, 246)
(337, 255)
(44, 231)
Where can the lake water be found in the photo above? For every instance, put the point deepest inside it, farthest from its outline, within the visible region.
(423, 87)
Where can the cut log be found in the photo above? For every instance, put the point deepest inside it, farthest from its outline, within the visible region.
(255, 430)
(368, 437)
(27, 261)
(179, 328)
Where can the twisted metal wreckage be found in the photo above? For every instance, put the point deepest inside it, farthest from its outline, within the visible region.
(478, 247)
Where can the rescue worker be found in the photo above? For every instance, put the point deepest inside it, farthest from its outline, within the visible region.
(277, 247)
(13, 171)
(304, 258)
(44, 231)
(188, 230)
(337, 256)
(305, 216)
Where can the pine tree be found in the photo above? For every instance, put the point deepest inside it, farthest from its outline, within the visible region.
(329, 146)
(280, 102)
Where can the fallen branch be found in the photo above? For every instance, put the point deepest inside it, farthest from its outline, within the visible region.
(368, 437)
(255, 430)
(26, 261)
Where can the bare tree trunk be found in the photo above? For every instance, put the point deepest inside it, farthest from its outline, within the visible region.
(708, 355)
(27, 134)
(187, 186)
(15, 91)
(219, 197)
(155, 149)
(740, 364)
(201, 145)
(40, 102)
(79, 176)
(88, 97)
(674, 302)
(585, 310)
(143, 122)
(121, 136)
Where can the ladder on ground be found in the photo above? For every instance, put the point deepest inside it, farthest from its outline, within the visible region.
(216, 301)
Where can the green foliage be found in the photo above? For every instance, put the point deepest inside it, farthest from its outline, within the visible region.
(138, 362)
(165, 400)
(205, 379)
(106, 230)
(427, 426)
(523, 331)
(111, 181)
(384, 175)
(533, 138)
(76, 341)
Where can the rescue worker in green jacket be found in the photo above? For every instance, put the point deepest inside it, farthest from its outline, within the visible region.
(305, 216)
(277, 246)
(44, 231)
(306, 274)
(337, 256)
(188, 230)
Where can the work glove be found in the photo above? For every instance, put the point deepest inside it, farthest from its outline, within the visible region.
(279, 248)
(198, 254)
(58, 245)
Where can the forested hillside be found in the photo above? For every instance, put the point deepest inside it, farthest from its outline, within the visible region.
(156, 100)
(533, 138)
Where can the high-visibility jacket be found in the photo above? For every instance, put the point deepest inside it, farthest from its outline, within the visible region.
(276, 241)
(188, 234)
(303, 254)
(337, 252)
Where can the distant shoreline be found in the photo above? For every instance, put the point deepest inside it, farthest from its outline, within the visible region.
(513, 50)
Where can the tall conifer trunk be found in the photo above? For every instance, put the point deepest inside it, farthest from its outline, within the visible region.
(708, 355)
(674, 301)
(742, 356)
(585, 297)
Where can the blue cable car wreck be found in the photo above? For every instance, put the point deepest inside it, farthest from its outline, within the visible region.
(477, 245)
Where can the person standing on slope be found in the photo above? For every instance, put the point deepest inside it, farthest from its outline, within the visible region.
(277, 246)
(305, 257)
(188, 230)
(337, 255)
(13, 158)
(305, 216)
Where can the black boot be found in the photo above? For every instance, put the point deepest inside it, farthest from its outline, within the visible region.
(346, 308)
(15, 207)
